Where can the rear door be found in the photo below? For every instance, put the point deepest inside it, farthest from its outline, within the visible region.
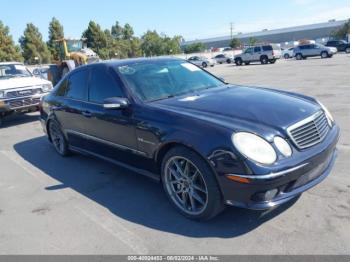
(257, 53)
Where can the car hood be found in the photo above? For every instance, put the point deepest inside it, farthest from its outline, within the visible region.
(239, 104)
(19, 82)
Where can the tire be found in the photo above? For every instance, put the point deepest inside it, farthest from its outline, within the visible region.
(272, 61)
(229, 61)
(324, 54)
(286, 56)
(299, 56)
(1, 122)
(190, 185)
(264, 60)
(247, 63)
(238, 61)
(58, 139)
(204, 65)
(347, 50)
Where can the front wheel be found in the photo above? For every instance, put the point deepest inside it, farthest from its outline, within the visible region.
(204, 65)
(286, 56)
(239, 61)
(229, 61)
(324, 55)
(57, 138)
(191, 185)
(347, 50)
(272, 61)
(299, 56)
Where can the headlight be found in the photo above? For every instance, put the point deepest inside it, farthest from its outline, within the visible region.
(2, 94)
(47, 88)
(283, 146)
(254, 148)
(329, 116)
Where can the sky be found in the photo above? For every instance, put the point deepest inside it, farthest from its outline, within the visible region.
(193, 19)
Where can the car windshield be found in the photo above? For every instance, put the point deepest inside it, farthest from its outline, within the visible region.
(74, 45)
(157, 80)
(13, 70)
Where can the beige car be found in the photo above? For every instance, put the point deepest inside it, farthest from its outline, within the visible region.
(261, 53)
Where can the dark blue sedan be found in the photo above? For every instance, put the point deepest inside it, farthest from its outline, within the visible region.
(209, 143)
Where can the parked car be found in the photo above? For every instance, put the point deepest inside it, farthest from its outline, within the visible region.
(311, 50)
(288, 53)
(260, 53)
(341, 45)
(170, 120)
(222, 58)
(20, 91)
(202, 61)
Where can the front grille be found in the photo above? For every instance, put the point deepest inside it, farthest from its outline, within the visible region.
(310, 131)
(22, 93)
(24, 102)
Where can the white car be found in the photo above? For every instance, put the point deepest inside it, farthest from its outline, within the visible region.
(20, 91)
(288, 53)
(201, 61)
(222, 58)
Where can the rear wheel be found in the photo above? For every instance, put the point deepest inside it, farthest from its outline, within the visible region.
(272, 61)
(58, 140)
(324, 54)
(229, 61)
(1, 121)
(264, 60)
(204, 65)
(191, 185)
(286, 56)
(239, 61)
(347, 50)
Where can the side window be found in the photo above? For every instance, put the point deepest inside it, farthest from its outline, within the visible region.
(62, 88)
(103, 85)
(267, 48)
(77, 85)
(257, 49)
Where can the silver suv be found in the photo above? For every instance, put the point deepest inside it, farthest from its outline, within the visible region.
(260, 53)
(310, 50)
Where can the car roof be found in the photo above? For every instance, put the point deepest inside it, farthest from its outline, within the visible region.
(122, 62)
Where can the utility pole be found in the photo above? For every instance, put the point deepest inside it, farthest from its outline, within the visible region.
(231, 28)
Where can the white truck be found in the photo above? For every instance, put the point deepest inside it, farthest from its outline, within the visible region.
(20, 90)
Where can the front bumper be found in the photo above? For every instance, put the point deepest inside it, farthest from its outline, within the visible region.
(288, 183)
(20, 103)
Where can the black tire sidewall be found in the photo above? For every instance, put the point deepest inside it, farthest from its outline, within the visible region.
(65, 151)
(215, 203)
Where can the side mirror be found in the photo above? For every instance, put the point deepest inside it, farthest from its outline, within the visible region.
(116, 103)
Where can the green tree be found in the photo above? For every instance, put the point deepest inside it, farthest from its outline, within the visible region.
(342, 32)
(235, 43)
(194, 48)
(96, 39)
(117, 31)
(8, 50)
(252, 41)
(128, 32)
(154, 44)
(33, 46)
(55, 33)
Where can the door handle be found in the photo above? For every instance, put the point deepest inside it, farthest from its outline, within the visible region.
(87, 114)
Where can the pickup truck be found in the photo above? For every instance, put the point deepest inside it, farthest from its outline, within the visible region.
(20, 90)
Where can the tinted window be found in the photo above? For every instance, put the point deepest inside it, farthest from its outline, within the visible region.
(103, 85)
(267, 48)
(257, 49)
(62, 88)
(77, 85)
(305, 47)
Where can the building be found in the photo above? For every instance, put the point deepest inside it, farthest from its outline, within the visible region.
(286, 36)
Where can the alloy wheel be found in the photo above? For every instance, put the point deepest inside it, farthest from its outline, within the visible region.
(185, 185)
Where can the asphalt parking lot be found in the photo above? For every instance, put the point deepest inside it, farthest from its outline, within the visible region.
(80, 205)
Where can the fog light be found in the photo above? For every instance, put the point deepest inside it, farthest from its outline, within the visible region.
(269, 195)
